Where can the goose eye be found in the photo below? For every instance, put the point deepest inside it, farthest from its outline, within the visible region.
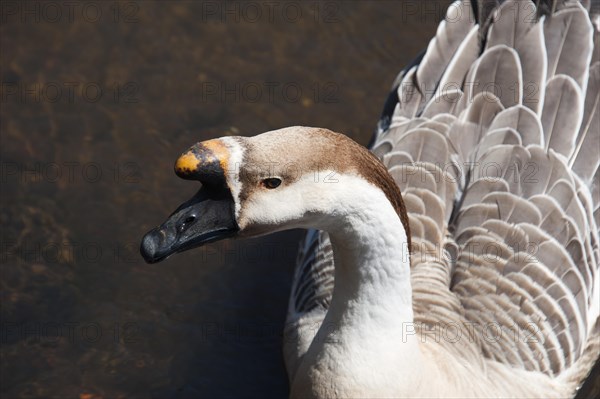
(271, 183)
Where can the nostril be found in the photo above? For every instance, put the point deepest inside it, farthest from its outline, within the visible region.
(186, 223)
(189, 219)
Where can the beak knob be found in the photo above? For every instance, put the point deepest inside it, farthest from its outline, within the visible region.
(187, 165)
(206, 162)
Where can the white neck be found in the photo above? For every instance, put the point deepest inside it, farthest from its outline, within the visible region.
(367, 335)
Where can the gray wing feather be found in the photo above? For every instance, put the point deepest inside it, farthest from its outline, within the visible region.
(312, 289)
(515, 27)
(446, 102)
(585, 160)
(569, 43)
(562, 114)
(498, 72)
(450, 34)
(596, 53)
(313, 277)
(453, 77)
(522, 120)
(409, 96)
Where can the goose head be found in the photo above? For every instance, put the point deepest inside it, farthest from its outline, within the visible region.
(296, 177)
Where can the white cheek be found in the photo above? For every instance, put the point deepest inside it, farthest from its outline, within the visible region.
(279, 208)
(305, 204)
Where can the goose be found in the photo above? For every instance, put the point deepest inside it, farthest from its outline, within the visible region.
(457, 258)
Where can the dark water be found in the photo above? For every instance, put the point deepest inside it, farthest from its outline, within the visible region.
(98, 100)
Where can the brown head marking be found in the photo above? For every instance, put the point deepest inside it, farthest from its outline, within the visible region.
(328, 151)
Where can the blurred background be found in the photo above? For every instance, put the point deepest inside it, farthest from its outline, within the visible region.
(98, 100)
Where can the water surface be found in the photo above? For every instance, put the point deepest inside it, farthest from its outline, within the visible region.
(96, 106)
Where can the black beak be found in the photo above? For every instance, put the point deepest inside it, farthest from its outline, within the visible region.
(207, 217)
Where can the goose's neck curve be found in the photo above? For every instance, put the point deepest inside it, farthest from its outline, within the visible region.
(368, 332)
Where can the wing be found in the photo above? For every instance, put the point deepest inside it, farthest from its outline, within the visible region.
(312, 289)
(493, 137)
(524, 224)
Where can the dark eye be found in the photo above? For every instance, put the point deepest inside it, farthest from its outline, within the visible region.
(271, 182)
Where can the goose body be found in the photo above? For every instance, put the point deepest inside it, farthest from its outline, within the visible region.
(459, 258)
